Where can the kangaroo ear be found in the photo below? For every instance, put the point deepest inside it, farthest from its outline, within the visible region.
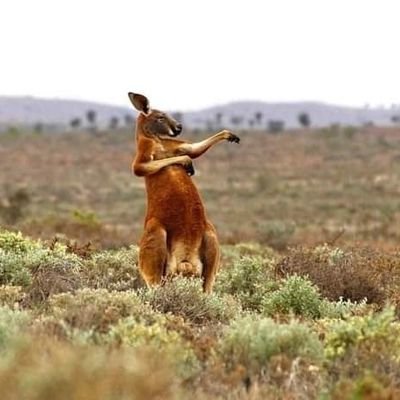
(140, 102)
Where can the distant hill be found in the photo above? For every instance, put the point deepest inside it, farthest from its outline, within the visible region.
(59, 112)
(241, 114)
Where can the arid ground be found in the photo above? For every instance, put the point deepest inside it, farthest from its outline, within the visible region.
(306, 304)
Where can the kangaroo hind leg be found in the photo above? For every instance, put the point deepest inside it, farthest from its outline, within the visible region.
(153, 253)
(210, 257)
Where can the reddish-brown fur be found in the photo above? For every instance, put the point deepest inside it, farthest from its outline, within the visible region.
(178, 237)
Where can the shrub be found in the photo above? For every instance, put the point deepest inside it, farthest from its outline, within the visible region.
(168, 344)
(251, 342)
(53, 275)
(248, 279)
(14, 242)
(369, 330)
(11, 323)
(296, 295)
(14, 269)
(367, 343)
(97, 309)
(47, 371)
(232, 253)
(113, 270)
(11, 296)
(16, 254)
(354, 274)
(368, 386)
(185, 297)
(30, 264)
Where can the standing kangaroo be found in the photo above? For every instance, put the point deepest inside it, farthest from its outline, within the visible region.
(178, 237)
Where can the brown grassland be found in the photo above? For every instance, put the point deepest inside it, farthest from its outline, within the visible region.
(306, 305)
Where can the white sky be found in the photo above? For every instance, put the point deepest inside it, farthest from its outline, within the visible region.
(191, 54)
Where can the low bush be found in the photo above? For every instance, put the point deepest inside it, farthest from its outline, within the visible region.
(53, 275)
(46, 370)
(185, 297)
(11, 296)
(252, 342)
(364, 343)
(97, 310)
(367, 386)
(353, 274)
(232, 253)
(248, 280)
(12, 323)
(41, 270)
(161, 340)
(113, 270)
(296, 295)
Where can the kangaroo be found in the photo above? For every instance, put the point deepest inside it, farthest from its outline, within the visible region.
(178, 238)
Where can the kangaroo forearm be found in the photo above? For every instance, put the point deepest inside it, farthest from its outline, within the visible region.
(194, 150)
(151, 167)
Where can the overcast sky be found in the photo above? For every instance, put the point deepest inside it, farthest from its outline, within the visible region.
(191, 54)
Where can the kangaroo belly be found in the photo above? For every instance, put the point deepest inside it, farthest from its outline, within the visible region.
(173, 199)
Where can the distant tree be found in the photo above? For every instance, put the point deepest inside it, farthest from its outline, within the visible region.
(369, 124)
(276, 126)
(114, 121)
(218, 119)
(129, 120)
(258, 116)
(38, 127)
(251, 123)
(395, 119)
(304, 119)
(91, 117)
(236, 120)
(75, 123)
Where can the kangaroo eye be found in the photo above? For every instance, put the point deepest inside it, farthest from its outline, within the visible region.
(160, 119)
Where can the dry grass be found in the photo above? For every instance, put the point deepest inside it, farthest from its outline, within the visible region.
(292, 188)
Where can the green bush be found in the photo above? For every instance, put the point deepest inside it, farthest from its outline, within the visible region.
(113, 270)
(364, 343)
(158, 338)
(251, 342)
(21, 259)
(16, 253)
(11, 324)
(97, 310)
(185, 297)
(248, 280)
(14, 242)
(374, 331)
(297, 296)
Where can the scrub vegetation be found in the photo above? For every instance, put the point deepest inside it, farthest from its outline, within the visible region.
(306, 304)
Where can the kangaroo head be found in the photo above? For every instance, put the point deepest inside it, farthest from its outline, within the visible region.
(154, 122)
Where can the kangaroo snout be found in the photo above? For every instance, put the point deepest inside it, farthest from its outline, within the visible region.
(178, 129)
